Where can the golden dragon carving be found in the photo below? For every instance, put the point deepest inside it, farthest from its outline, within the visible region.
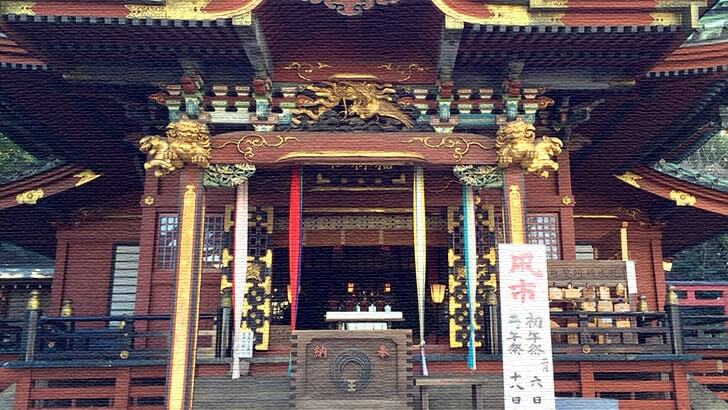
(359, 98)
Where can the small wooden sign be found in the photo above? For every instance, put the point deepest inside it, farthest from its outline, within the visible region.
(245, 347)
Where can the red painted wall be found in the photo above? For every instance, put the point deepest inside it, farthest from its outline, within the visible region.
(84, 261)
(644, 247)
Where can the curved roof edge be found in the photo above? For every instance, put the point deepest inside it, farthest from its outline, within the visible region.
(30, 190)
(691, 176)
(682, 192)
(691, 59)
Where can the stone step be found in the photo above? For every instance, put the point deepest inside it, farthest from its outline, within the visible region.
(7, 397)
(272, 392)
(702, 398)
(247, 392)
(490, 395)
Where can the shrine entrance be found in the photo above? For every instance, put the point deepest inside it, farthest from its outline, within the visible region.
(363, 278)
(357, 279)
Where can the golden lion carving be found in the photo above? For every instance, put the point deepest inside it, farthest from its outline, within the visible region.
(516, 143)
(185, 142)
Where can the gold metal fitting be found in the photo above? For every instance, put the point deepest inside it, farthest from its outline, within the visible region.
(67, 308)
(34, 300)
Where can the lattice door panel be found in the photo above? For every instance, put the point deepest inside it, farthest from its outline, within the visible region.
(258, 287)
(458, 319)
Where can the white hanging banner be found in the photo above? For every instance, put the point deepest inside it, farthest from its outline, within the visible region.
(528, 377)
(240, 273)
(420, 247)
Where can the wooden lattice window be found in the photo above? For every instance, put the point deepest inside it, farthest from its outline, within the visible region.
(543, 229)
(214, 241)
(167, 241)
(585, 251)
(125, 269)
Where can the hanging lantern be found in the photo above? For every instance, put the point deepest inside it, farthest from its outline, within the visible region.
(387, 287)
(437, 293)
(350, 287)
(288, 293)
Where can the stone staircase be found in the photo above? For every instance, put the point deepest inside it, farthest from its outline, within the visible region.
(459, 397)
(701, 398)
(7, 397)
(272, 393)
(247, 392)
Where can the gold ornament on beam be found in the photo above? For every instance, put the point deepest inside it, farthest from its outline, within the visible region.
(191, 10)
(17, 7)
(30, 197)
(257, 141)
(185, 142)
(459, 145)
(630, 178)
(407, 70)
(85, 177)
(682, 198)
(303, 70)
(516, 144)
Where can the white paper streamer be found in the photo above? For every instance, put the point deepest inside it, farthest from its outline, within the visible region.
(240, 271)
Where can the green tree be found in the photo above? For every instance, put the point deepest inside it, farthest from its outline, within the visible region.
(705, 261)
(712, 158)
(16, 163)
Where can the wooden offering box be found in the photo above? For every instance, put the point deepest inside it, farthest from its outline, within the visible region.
(367, 369)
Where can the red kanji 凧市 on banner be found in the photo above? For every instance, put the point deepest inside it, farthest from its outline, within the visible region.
(528, 377)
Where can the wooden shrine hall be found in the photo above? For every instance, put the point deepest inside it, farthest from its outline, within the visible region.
(388, 204)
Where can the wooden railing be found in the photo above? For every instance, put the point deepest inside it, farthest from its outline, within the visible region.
(101, 337)
(607, 332)
(705, 332)
(40, 338)
(11, 335)
(141, 337)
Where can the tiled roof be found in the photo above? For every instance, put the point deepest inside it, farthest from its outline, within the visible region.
(20, 263)
(692, 176)
(15, 57)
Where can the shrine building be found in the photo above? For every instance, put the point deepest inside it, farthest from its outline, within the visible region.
(369, 204)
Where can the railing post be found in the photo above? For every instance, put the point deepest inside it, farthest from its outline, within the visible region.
(584, 336)
(32, 314)
(126, 325)
(222, 339)
(673, 320)
(70, 326)
(491, 302)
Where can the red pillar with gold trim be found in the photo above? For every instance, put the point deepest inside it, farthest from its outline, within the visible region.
(567, 234)
(185, 311)
(514, 197)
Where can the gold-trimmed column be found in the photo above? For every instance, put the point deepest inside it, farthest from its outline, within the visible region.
(623, 241)
(185, 311)
(514, 195)
(519, 152)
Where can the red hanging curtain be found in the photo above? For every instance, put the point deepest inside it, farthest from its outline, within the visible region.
(294, 240)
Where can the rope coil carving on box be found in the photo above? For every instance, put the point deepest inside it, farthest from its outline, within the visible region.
(364, 376)
(458, 320)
